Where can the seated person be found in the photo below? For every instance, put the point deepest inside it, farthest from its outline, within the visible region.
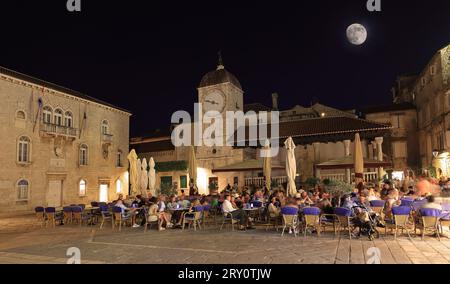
(153, 214)
(127, 212)
(391, 201)
(194, 204)
(184, 203)
(305, 200)
(347, 202)
(239, 214)
(164, 217)
(273, 209)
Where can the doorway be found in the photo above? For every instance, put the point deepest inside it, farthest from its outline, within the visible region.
(54, 193)
(104, 188)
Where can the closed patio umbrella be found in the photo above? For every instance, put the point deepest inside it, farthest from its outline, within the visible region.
(359, 160)
(267, 166)
(132, 158)
(152, 177)
(139, 172)
(291, 166)
(193, 165)
(144, 178)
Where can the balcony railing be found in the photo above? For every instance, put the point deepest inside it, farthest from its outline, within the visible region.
(107, 138)
(259, 181)
(59, 130)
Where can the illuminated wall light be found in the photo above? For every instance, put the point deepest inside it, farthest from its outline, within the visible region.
(118, 186)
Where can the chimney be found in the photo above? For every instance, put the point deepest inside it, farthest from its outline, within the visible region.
(275, 101)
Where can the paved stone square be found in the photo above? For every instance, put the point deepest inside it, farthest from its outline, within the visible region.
(23, 241)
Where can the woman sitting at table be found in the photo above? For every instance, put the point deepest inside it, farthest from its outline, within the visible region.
(153, 214)
(273, 210)
(164, 216)
(305, 200)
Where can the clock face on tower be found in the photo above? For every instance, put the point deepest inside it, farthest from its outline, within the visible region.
(214, 101)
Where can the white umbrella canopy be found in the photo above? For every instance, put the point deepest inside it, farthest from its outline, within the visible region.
(291, 166)
(359, 160)
(139, 172)
(134, 181)
(144, 177)
(152, 176)
(267, 166)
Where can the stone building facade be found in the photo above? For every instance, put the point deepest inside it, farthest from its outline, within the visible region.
(59, 146)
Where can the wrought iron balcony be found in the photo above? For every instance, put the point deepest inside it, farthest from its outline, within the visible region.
(58, 130)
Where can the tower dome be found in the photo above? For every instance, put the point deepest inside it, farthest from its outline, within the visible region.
(219, 76)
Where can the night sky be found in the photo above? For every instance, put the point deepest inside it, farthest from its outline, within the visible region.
(149, 58)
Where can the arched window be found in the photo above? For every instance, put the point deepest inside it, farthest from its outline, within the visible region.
(83, 155)
(47, 114)
(23, 149)
(58, 120)
(118, 186)
(82, 188)
(20, 114)
(105, 127)
(68, 119)
(22, 190)
(119, 158)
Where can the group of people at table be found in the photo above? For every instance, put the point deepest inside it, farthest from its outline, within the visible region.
(170, 212)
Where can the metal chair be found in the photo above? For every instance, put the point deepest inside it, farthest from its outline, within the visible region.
(228, 217)
(312, 219)
(400, 215)
(345, 221)
(50, 213)
(193, 218)
(67, 215)
(79, 216)
(119, 218)
(106, 216)
(429, 221)
(40, 215)
(290, 219)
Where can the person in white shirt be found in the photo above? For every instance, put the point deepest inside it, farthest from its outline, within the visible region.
(163, 216)
(127, 212)
(239, 214)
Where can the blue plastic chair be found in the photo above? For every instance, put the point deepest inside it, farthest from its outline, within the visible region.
(193, 218)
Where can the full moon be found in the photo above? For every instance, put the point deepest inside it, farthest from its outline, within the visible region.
(356, 34)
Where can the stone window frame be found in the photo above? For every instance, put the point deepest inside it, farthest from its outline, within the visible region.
(20, 190)
(68, 115)
(119, 158)
(104, 127)
(21, 111)
(58, 114)
(85, 187)
(47, 112)
(83, 160)
(19, 152)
